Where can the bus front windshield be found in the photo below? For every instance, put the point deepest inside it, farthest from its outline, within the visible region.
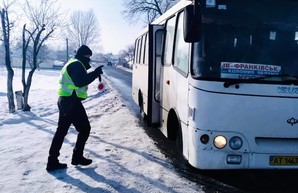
(247, 39)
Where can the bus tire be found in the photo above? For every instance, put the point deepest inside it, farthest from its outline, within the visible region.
(175, 132)
(179, 142)
(141, 105)
(172, 125)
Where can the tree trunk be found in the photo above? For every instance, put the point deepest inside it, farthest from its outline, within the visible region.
(27, 89)
(10, 94)
(10, 73)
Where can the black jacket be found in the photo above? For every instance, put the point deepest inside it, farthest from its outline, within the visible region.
(79, 77)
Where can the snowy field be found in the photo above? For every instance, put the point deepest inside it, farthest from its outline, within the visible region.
(124, 158)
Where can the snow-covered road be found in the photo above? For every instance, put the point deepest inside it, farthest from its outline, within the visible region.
(125, 159)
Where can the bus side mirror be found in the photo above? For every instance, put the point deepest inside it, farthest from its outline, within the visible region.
(192, 23)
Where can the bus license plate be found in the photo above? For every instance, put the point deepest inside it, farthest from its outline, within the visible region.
(283, 160)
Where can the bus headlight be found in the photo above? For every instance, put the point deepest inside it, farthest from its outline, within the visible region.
(220, 142)
(235, 143)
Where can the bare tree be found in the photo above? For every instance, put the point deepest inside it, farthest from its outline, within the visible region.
(127, 54)
(146, 10)
(83, 29)
(44, 18)
(6, 26)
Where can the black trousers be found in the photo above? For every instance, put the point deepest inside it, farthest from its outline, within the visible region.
(71, 111)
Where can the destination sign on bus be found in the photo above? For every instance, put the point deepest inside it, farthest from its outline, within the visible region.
(247, 70)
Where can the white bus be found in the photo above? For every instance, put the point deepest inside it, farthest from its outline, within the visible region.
(220, 77)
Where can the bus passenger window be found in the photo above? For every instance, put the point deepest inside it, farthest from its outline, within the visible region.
(181, 48)
(146, 61)
(137, 52)
(142, 50)
(170, 31)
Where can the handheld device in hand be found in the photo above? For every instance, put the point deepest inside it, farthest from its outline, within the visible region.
(100, 86)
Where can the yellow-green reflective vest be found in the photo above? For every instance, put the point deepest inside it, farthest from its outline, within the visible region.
(67, 86)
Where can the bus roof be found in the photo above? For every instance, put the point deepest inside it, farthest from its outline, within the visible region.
(178, 6)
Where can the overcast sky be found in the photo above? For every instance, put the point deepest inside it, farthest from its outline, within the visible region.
(116, 32)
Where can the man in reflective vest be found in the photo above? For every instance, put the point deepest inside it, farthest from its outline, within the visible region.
(74, 79)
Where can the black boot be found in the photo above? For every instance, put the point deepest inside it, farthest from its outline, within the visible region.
(54, 164)
(79, 159)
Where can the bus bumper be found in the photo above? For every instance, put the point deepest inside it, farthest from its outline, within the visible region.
(207, 156)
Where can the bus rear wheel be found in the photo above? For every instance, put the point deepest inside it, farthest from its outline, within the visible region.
(141, 106)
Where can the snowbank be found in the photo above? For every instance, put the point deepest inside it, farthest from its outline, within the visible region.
(125, 159)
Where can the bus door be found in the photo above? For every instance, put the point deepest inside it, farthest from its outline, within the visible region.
(175, 72)
(156, 33)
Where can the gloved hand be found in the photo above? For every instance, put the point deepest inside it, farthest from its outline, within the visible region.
(98, 70)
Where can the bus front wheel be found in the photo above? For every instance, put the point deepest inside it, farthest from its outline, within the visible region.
(179, 142)
(175, 132)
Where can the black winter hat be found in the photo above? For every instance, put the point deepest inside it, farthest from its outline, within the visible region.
(84, 50)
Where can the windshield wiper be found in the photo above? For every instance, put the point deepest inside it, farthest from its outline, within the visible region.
(229, 83)
(286, 78)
